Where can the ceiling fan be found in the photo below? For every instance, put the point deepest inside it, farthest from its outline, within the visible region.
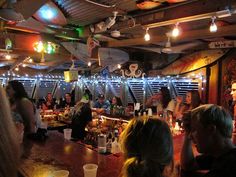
(9, 14)
(169, 49)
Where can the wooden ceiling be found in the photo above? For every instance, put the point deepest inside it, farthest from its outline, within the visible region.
(84, 16)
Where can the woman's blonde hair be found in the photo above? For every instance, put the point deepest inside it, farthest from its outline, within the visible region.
(148, 148)
(9, 146)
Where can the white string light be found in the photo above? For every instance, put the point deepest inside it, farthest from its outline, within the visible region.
(89, 63)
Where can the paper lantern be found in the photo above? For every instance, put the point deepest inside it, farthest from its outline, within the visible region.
(71, 75)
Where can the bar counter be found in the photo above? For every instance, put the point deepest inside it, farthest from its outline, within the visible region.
(57, 154)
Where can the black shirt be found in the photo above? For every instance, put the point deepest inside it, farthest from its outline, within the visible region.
(80, 121)
(223, 166)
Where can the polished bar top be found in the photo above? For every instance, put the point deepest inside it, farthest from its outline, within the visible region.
(57, 153)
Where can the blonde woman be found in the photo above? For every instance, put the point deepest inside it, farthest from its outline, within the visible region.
(148, 149)
(9, 145)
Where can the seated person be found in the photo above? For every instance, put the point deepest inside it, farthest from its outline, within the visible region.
(101, 104)
(81, 116)
(67, 102)
(148, 149)
(153, 102)
(49, 103)
(192, 100)
(209, 128)
(166, 106)
(116, 101)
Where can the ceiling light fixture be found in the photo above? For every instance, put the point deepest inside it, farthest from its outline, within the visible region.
(147, 35)
(176, 30)
(218, 14)
(213, 26)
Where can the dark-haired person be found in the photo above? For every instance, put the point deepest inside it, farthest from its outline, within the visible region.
(49, 102)
(209, 129)
(233, 93)
(166, 105)
(192, 100)
(22, 105)
(148, 149)
(68, 102)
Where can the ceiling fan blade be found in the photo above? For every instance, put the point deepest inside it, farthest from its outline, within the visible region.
(152, 49)
(8, 14)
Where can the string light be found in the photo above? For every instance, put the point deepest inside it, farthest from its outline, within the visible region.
(24, 65)
(30, 60)
(176, 30)
(147, 35)
(17, 68)
(213, 26)
(119, 66)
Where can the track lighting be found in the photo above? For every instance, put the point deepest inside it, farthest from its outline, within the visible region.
(213, 27)
(147, 36)
(176, 30)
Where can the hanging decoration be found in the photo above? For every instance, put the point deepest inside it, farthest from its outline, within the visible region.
(45, 47)
(132, 72)
(92, 43)
(147, 4)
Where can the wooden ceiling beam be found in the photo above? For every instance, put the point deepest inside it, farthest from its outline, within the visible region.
(223, 31)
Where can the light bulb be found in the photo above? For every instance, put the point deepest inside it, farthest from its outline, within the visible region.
(30, 60)
(213, 27)
(24, 65)
(119, 66)
(16, 69)
(8, 57)
(147, 36)
(176, 31)
(89, 64)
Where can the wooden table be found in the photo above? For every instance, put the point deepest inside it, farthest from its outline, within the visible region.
(57, 153)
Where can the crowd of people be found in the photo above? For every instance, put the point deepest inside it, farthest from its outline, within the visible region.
(146, 142)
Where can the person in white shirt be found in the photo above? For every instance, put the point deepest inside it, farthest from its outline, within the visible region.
(166, 106)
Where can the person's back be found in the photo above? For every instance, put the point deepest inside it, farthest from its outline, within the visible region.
(81, 117)
(148, 149)
(9, 145)
(209, 128)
